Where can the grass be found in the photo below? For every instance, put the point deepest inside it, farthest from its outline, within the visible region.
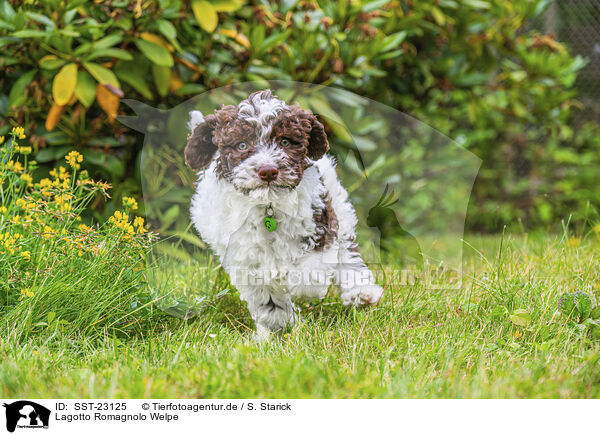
(78, 320)
(416, 343)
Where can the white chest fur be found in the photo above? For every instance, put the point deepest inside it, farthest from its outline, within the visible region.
(232, 223)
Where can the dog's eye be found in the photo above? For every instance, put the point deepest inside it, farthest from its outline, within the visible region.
(242, 146)
(285, 143)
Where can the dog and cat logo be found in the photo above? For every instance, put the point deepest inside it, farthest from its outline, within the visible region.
(25, 414)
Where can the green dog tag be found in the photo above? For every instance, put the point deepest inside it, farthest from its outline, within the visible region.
(270, 223)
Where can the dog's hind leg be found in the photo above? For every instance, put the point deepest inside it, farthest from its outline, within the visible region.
(355, 280)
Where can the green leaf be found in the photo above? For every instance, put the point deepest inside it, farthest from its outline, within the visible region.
(286, 5)
(166, 28)
(566, 305)
(498, 312)
(188, 237)
(595, 314)
(583, 304)
(6, 11)
(5, 25)
(205, 14)
(521, 317)
(107, 41)
(100, 44)
(390, 54)
(162, 76)
(476, 4)
(226, 5)
(51, 154)
(135, 76)
(190, 89)
(41, 19)
(156, 53)
(51, 62)
(438, 15)
(30, 33)
(374, 5)
(170, 216)
(110, 52)
(274, 40)
(68, 32)
(85, 90)
(394, 40)
(101, 74)
(595, 329)
(17, 92)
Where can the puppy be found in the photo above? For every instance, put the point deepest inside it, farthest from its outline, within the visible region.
(269, 203)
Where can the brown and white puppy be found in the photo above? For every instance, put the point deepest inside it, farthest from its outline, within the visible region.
(269, 203)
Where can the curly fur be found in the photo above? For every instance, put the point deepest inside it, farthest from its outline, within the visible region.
(314, 243)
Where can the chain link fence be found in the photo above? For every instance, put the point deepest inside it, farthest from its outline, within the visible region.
(576, 23)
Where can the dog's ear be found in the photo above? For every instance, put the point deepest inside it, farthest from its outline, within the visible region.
(317, 142)
(200, 147)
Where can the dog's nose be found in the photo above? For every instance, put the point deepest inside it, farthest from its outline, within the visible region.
(268, 173)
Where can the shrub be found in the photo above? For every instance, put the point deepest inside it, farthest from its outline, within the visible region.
(56, 271)
(466, 68)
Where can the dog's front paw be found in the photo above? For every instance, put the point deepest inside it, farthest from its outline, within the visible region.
(366, 295)
(262, 334)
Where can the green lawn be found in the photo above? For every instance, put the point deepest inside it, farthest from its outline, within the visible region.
(417, 343)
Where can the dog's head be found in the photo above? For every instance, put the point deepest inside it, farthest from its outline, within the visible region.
(259, 144)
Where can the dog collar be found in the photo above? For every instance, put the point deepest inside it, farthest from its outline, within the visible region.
(269, 220)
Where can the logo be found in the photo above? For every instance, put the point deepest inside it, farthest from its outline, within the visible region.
(26, 415)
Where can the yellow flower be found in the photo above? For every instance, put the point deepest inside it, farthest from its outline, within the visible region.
(121, 220)
(26, 179)
(26, 255)
(63, 202)
(45, 183)
(3, 209)
(24, 150)
(61, 174)
(48, 232)
(138, 222)
(130, 203)
(84, 228)
(14, 166)
(26, 292)
(18, 132)
(74, 159)
(574, 242)
(8, 242)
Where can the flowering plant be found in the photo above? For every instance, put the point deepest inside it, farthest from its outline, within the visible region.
(45, 245)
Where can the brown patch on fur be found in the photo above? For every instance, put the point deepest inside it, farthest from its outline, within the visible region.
(327, 225)
(201, 145)
(227, 138)
(303, 129)
(306, 136)
(224, 130)
(353, 246)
